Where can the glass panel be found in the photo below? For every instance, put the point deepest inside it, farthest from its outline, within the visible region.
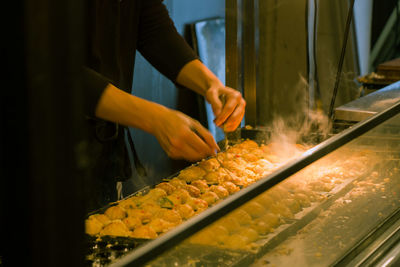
(313, 218)
(122, 226)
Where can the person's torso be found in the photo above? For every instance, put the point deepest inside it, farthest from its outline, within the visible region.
(112, 39)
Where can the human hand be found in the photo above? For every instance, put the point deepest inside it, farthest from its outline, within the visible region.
(182, 137)
(179, 135)
(228, 106)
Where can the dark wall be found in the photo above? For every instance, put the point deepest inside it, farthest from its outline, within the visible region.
(380, 14)
(150, 84)
(43, 133)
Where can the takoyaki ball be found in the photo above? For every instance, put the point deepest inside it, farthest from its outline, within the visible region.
(266, 223)
(240, 161)
(220, 233)
(227, 175)
(115, 212)
(182, 194)
(115, 228)
(102, 218)
(241, 181)
(214, 177)
(154, 195)
(261, 227)
(249, 157)
(178, 183)
(175, 199)
(230, 223)
(258, 170)
(292, 204)
(218, 229)
(224, 156)
(321, 186)
(294, 183)
(241, 216)
(151, 207)
(237, 241)
(248, 144)
(303, 199)
(191, 173)
(282, 210)
(254, 209)
(210, 197)
(171, 216)
(249, 174)
(204, 237)
(312, 196)
(272, 219)
(283, 191)
(220, 191)
(185, 211)
(231, 187)
(130, 203)
(209, 165)
(143, 215)
(144, 232)
(258, 152)
(251, 234)
(265, 164)
(197, 204)
(201, 185)
(160, 225)
(278, 193)
(317, 197)
(93, 226)
(132, 222)
(235, 150)
(167, 187)
(193, 190)
(265, 200)
(234, 167)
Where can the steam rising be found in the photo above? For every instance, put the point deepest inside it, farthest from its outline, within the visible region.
(307, 124)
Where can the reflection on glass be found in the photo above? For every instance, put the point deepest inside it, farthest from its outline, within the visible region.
(314, 217)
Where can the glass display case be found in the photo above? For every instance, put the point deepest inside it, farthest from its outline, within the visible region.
(336, 203)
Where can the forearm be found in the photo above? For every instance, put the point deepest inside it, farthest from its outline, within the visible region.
(197, 77)
(180, 136)
(121, 107)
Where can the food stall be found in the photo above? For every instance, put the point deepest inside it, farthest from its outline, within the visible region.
(333, 203)
(322, 199)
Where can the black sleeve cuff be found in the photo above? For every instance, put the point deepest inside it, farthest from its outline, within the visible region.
(94, 85)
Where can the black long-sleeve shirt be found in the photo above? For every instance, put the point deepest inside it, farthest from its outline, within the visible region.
(116, 29)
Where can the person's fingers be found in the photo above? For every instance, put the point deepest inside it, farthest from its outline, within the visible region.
(214, 99)
(233, 101)
(206, 137)
(192, 144)
(236, 117)
(178, 148)
(182, 137)
(187, 152)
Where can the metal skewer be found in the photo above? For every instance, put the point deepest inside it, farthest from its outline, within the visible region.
(223, 167)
